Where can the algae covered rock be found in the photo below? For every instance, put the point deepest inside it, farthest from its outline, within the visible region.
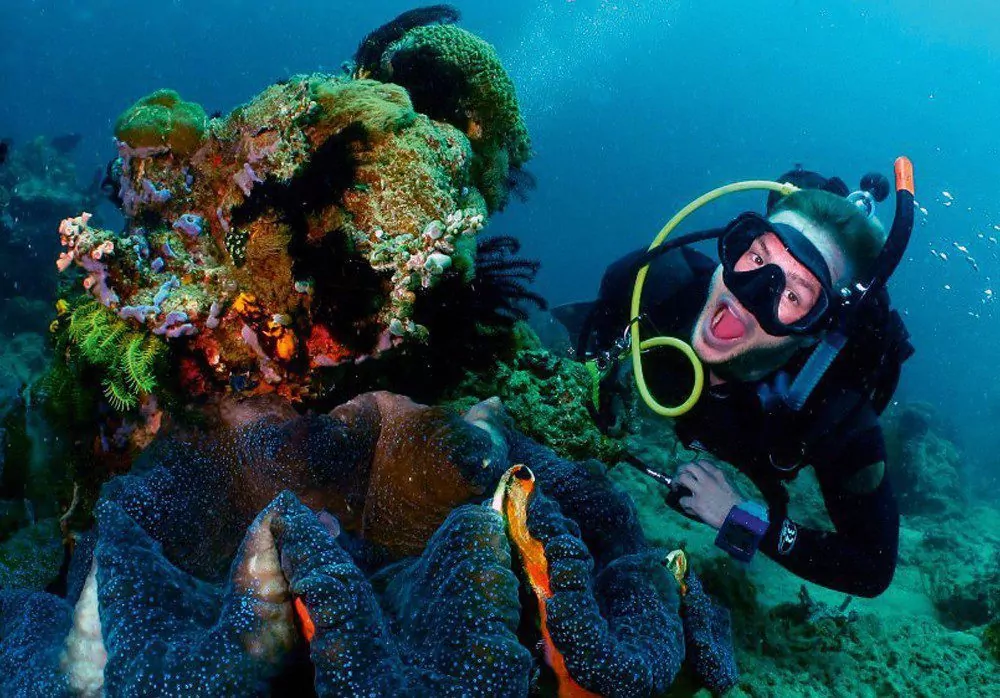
(547, 397)
(925, 466)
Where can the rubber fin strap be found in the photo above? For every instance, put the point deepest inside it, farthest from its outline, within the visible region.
(511, 500)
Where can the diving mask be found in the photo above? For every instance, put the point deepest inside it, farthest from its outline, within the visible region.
(760, 289)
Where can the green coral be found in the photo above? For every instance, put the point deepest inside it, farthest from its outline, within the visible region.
(546, 396)
(92, 338)
(482, 101)
(163, 119)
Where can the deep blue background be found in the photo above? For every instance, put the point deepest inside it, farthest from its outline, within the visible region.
(634, 108)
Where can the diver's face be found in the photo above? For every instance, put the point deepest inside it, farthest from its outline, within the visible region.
(728, 338)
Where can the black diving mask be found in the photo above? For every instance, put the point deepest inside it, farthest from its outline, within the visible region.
(760, 290)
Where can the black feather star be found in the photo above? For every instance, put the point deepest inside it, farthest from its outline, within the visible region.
(369, 54)
(502, 278)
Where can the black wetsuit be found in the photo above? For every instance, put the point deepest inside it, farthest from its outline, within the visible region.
(837, 433)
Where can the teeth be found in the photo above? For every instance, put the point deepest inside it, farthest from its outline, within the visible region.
(718, 317)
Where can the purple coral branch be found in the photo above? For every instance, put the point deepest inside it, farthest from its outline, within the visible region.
(190, 223)
(98, 272)
(140, 313)
(246, 178)
(165, 289)
(154, 194)
(175, 324)
(213, 315)
(181, 330)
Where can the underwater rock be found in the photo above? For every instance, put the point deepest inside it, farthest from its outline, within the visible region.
(966, 595)
(924, 465)
(547, 397)
(211, 575)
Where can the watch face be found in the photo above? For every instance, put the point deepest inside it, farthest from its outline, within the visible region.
(740, 538)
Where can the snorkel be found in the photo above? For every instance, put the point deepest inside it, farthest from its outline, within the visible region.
(844, 313)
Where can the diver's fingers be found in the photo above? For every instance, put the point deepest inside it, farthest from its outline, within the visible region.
(687, 505)
(689, 480)
(689, 468)
(711, 471)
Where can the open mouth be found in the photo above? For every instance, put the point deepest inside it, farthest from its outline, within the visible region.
(726, 324)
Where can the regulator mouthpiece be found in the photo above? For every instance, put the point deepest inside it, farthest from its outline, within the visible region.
(864, 201)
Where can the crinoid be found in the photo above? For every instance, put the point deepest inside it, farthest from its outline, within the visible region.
(368, 57)
(502, 279)
(93, 338)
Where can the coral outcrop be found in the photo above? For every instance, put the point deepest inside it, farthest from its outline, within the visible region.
(242, 251)
(306, 245)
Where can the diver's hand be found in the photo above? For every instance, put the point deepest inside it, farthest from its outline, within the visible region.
(711, 494)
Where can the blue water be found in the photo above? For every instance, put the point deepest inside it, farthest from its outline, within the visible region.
(634, 108)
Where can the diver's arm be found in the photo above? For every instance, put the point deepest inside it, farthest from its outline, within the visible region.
(859, 557)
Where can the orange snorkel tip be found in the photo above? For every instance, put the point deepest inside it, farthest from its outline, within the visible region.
(904, 174)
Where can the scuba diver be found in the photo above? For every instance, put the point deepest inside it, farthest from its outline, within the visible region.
(787, 351)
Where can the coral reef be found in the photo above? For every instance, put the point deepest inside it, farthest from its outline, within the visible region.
(191, 585)
(791, 642)
(277, 248)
